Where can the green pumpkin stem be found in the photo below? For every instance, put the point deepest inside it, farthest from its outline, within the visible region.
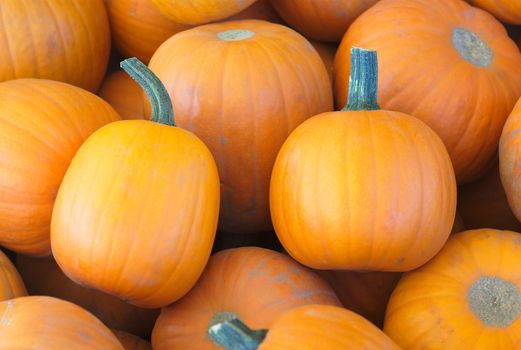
(232, 334)
(363, 81)
(162, 111)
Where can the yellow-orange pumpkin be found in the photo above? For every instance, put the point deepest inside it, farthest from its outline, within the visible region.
(42, 125)
(124, 94)
(508, 11)
(131, 342)
(11, 284)
(242, 86)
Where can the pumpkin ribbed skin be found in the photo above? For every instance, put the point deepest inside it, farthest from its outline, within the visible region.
(313, 327)
(139, 206)
(508, 11)
(65, 40)
(323, 20)
(363, 190)
(465, 103)
(131, 342)
(255, 284)
(243, 103)
(124, 94)
(11, 284)
(42, 276)
(46, 323)
(200, 11)
(467, 297)
(42, 125)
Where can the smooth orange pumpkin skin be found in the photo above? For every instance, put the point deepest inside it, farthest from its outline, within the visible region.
(322, 20)
(260, 9)
(43, 276)
(508, 11)
(465, 104)
(429, 307)
(42, 125)
(243, 103)
(124, 94)
(11, 284)
(329, 327)
(382, 195)
(64, 40)
(137, 211)
(131, 342)
(45, 323)
(256, 284)
(197, 12)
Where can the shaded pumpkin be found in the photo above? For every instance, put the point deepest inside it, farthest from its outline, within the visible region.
(42, 125)
(138, 206)
(254, 284)
(46, 323)
(42, 276)
(507, 11)
(470, 72)
(130, 341)
(263, 80)
(327, 52)
(467, 297)
(60, 40)
(459, 224)
(11, 284)
(363, 188)
(323, 20)
(124, 94)
(260, 9)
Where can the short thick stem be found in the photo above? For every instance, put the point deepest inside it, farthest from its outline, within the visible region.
(232, 334)
(363, 81)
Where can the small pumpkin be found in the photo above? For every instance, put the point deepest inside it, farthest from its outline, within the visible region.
(254, 284)
(123, 94)
(508, 11)
(363, 188)
(467, 297)
(327, 53)
(470, 72)
(263, 80)
(139, 206)
(260, 9)
(11, 284)
(45, 323)
(42, 125)
(60, 40)
(131, 342)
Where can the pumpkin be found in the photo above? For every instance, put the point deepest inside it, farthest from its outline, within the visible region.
(459, 224)
(197, 12)
(123, 94)
(138, 28)
(131, 342)
(11, 284)
(42, 125)
(323, 20)
(255, 284)
(260, 9)
(470, 72)
(505, 10)
(139, 206)
(42, 276)
(242, 86)
(467, 297)
(47, 323)
(306, 327)
(327, 52)
(363, 188)
(365, 293)
(60, 40)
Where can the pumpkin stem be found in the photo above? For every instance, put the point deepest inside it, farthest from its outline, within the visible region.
(162, 111)
(232, 334)
(363, 81)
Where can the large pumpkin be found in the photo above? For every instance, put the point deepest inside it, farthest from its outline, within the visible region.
(508, 11)
(467, 297)
(42, 276)
(445, 62)
(242, 86)
(323, 20)
(137, 210)
(131, 342)
(46, 323)
(363, 188)
(42, 125)
(255, 284)
(11, 284)
(124, 94)
(60, 40)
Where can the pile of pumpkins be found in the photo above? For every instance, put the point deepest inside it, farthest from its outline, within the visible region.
(260, 174)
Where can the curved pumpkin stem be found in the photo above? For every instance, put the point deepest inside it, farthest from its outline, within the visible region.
(162, 111)
(363, 81)
(232, 334)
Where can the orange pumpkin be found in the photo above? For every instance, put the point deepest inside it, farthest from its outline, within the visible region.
(137, 210)
(42, 276)
(467, 297)
(323, 20)
(11, 284)
(46, 323)
(470, 72)
(242, 86)
(124, 94)
(508, 11)
(260, 9)
(200, 11)
(131, 342)
(363, 188)
(255, 284)
(327, 52)
(60, 40)
(459, 224)
(42, 125)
